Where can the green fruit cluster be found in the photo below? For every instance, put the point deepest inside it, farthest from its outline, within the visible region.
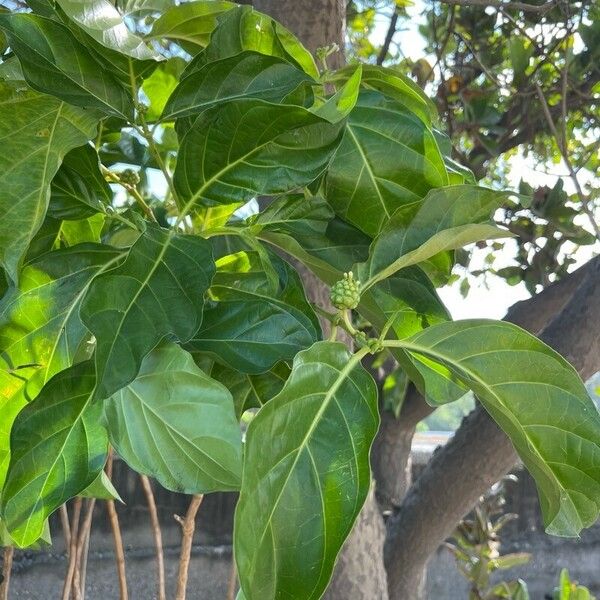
(345, 294)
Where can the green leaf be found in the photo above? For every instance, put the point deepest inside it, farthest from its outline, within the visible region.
(190, 24)
(539, 401)
(251, 332)
(396, 86)
(250, 391)
(387, 159)
(448, 218)
(246, 29)
(157, 292)
(102, 489)
(103, 22)
(47, 130)
(40, 329)
(160, 85)
(58, 448)
(79, 189)
(245, 75)
(176, 424)
(250, 147)
(54, 62)
(83, 230)
(311, 478)
(521, 51)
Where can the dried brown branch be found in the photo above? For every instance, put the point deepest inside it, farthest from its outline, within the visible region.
(68, 584)
(156, 532)
(188, 525)
(118, 540)
(232, 584)
(80, 547)
(66, 527)
(7, 561)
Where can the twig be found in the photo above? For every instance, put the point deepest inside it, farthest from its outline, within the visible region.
(562, 147)
(7, 561)
(66, 593)
(388, 38)
(84, 561)
(188, 525)
(232, 585)
(114, 177)
(533, 8)
(118, 540)
(81, 542)
(64, 519)
(160, 562)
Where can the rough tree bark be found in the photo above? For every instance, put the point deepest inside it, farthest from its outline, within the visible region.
(317, 23)
(480, 453)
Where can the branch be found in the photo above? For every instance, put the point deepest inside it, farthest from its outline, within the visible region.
(188, 525)
(7, 560)
(157, 534)
(118, 540)
(480, 453)
(388, 38)
(66, 593)
(532, 8)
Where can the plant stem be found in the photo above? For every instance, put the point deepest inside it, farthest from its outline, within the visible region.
(67, 587)
(64, 520)
(7, 561)
(188, 525)
(118, 540)
(149, 137)
(114, 177)
(232, 585)
(562, 147)
(81, 542)
(156, 531)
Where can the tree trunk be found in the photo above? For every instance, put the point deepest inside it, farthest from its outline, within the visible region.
(317, 23)
(480, 453)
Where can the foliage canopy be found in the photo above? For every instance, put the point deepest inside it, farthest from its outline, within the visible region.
(154, 322)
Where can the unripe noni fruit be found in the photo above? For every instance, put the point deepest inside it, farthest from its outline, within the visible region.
(345, 293)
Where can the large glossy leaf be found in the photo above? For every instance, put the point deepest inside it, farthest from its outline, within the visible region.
(157, 292)
(58, 448)
(102, 21)
(536, 397)
(40, 328)
(246, 29)
(56, 63)
(251, 332)
(396, 86)
(191, 23)
(79, 189)
(448, 218)
(307, 461)
(387, 159)
(48, 129)
(249, 391)
(245, 75)
(251, 147)
(175, 423)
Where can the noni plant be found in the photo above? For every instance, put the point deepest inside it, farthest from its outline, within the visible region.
(162, 167)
